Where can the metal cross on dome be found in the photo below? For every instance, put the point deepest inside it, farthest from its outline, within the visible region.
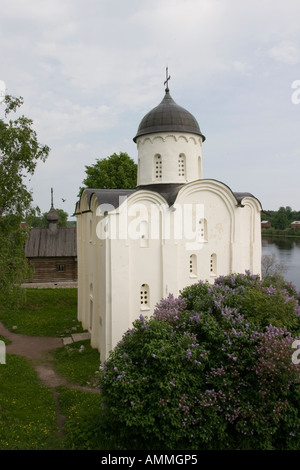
(167, 79)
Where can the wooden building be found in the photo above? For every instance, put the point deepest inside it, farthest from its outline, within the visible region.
(52, 251)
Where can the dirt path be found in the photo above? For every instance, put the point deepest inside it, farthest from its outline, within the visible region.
(33, 347)
(37, 350)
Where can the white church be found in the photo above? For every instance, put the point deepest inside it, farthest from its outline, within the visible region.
(135, 247)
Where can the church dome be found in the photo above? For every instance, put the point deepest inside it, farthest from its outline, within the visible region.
(52, 215)
(168, 117)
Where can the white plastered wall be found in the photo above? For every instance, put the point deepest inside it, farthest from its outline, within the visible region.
(170, 146)
(111, 271)
(247, 248)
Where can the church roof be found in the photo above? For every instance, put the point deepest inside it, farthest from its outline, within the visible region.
(169, 191)
(109, 196)
(240, 196)
(43, 242)
(168, 117)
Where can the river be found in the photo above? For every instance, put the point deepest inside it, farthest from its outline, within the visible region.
(287, 253)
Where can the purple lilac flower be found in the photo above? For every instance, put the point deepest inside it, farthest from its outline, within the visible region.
(231, 356)
(168, 309)
(271, 290)
(121, 375)
(188, 353)
(196, 318)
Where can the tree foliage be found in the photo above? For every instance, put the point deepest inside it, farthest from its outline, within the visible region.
(20, 152)
(114, 172)
(211, 369)
(282, 218)
(40, 221)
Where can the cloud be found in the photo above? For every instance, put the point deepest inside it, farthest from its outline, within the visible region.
(286, 52)
(89, 71)
(65, 119)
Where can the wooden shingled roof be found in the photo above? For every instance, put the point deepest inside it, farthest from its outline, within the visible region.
(43, 242)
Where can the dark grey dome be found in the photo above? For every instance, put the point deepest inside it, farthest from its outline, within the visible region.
(168, 117)
(52, 215)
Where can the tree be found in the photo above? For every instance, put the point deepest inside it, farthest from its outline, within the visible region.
(20, 152)
(270, 266)
(281, 219)
(40, 221)
(114, 172)
(210, 370)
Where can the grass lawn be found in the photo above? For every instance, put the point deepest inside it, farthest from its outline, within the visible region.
(45, 312)
(27, 407)
(78, 362)
(83, 420)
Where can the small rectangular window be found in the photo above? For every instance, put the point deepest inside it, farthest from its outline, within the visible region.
(144, 297)
(181, 166)
(157, 167)
(213, 264)
(193, 266)
(60, 268)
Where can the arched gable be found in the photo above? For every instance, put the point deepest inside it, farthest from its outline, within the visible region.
(84, 202)
(253, 208)
(252, 202)
(208, 192)
(149, 197)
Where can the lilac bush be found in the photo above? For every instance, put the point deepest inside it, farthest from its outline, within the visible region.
(211, 369)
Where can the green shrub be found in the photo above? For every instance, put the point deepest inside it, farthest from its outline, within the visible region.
(211, 369)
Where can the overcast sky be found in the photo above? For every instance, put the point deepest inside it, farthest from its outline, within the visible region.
(89, 70)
